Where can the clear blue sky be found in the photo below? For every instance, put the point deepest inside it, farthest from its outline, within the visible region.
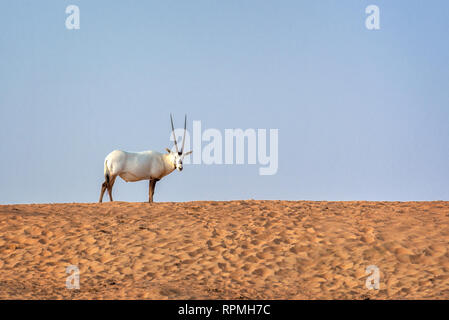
(362, 115)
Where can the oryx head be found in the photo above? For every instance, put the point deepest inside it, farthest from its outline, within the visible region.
(177, 155)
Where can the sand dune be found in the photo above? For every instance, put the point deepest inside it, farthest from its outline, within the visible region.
(225, 250)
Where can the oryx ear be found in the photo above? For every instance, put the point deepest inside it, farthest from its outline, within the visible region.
(168, 150)
(187, 153)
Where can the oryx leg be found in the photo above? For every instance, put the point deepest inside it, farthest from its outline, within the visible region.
(151, 191)
(110, 185)
(104, 186)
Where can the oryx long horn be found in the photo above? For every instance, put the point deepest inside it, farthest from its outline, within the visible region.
(184, 138)
(173, 131)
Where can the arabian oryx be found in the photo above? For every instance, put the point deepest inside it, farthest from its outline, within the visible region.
(145, 165)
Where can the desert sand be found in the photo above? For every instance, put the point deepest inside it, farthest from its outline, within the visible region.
(225, 250)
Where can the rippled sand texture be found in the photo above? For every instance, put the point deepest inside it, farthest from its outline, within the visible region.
(225, 250)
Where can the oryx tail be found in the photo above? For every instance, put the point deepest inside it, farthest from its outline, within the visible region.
(107, 174)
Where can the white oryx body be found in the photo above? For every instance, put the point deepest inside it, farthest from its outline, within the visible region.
(136, 166)
(145, 165)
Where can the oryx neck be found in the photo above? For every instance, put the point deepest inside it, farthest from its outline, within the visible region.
(169, 163)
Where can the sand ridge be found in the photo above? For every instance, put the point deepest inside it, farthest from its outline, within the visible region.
(225, 250)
